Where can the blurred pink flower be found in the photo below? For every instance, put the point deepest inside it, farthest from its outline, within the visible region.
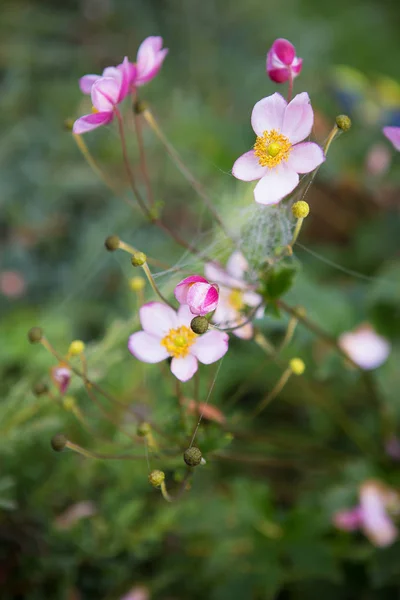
(234, 295)
(365, 347)
(12, 284)
(200, 295)
(61, 375)
(378, 160)
(137, 593)
(207, 410)
(124, 74)
(106, 94)
(282, 62)
(393, 135)
(348, 520)
(277, 157)
(149, 60)
(392, 448)
(74, 513)
(166, 333)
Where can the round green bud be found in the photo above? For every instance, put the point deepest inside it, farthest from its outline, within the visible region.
(35, 335)
(156, 478)
(297, 366)
(76, 348)
(199, 325)
(300, 209)
(343, 122)
(143, 429)
(58, 442)
(192, 457)
(139, 107)
(69, 403)
(137, 284)
(112, 243)
(40, 388)
(138, 259)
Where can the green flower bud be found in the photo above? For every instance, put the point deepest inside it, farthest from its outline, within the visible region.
(139, 106)
(156, 478)
(192, 457)
(343, 122)
(297, 366)
(143, 429)
(138, 259)
(199, 325)
(35, 335)
(112, 243)
(40, 388)
(58, 442)
(300, 209)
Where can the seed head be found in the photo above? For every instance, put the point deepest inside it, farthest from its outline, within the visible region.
(112, 243)
(138, 259)
(35, 335)
(300, 209)
(297, 365)
(137, 284)
(156, 478)
(343, 122)
(199, 325)
(192, 457)
(58, 442)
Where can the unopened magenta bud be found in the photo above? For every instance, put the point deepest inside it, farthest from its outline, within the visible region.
(199, 325)
(35, 335)
(58, 442)
(343, 122)
(112, 243)
(138, 259)
(192, 456)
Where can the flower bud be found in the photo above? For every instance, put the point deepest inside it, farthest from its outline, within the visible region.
(143, 429)
(76, 347)
(156, 478)
(300, 209)
(61, 375)
(282, 62)
(343, 122)
(69, 402)
(297, 366)
(137, 284)
(199, 325)
(112, 243)
(138, 259)
(200, 295)
(40, 388)
(58, 442)
(139, 106)
(68, 124)
(35, 334)
(192, 457)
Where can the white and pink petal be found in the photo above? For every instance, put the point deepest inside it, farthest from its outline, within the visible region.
(248, 168)
(298, 118)
(275, 185)
(146, 347)
(210, 347)
(305, 157)
(184, 368)
(268, 114)
(157, 318)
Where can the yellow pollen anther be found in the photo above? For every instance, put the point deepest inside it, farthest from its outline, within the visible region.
(271, 148)
(236, 299)
(178, 341)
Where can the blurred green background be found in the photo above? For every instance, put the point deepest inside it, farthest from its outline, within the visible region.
(246, 530)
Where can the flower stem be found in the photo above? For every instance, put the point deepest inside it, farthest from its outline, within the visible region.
(274, 392)
(154, 286)
(97, 455)
(142, 155)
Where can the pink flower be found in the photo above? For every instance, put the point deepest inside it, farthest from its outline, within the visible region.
(365, 347)
(375, 500)
(234, 295)
(61, 375)
(207, 410)
(124, 74)
(200, 295)
(149, 60)
(393, 135)
(277, 157)
(137, 593)
(282, 62)
(348, 520)
(166, 333)
(392, 448)
(106, 93)
(378, 160)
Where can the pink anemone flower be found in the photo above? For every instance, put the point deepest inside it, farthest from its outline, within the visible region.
(393, 135)
(282, 62)
(124, 74)
(61, 375)
(149, 60)
(234, 295)
(106, 94)
(166, 333)
(365, 347)
(200, 295)
(277, 157)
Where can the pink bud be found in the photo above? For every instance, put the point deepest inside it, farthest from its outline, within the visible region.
(348, 520)
(282, 62)
(200, 295)
(61, 375)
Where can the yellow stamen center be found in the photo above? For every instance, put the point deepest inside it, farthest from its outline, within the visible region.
(94, 110)
(272, 148)
(178, 341)
(236, 299)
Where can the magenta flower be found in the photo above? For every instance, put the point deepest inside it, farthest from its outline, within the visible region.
(166, 333)
(200, 295)
(61, 375)
(234, 295)
(277, 157)
(282, 62)
(348, 520)
(365, 347)
(124, 74)
(393, 135)
(106, 94)
(149, 60)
